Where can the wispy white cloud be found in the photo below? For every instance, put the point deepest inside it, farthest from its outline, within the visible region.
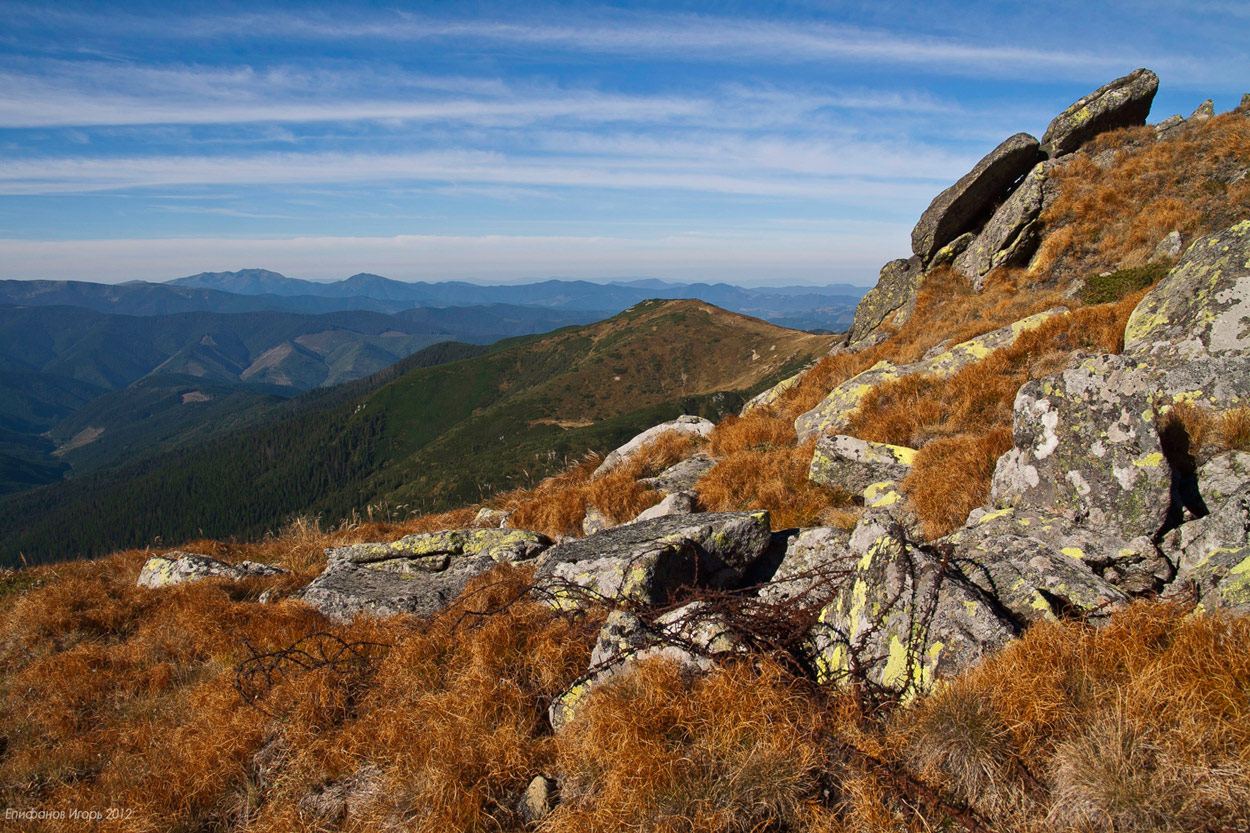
(769, 167)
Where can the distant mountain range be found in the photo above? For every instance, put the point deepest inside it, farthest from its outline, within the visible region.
(825, 307)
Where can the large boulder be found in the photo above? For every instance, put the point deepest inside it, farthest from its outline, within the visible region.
(834, 412)
(690, 426)
(419, 574)
(1031, 574)
(1012, 234)
(904, 620)
(645, 562)
(1125, 102)
(1086, 448)
(1191, 328)
(853, 464)
(896, 289)
(177, 567)
(966, 204)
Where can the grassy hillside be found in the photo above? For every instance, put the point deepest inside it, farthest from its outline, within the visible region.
(434, 438)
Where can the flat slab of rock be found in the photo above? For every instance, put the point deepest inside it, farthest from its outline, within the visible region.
(767, 398)
(419, 574)
(1086, 448)
(1125, 102)
(1012, 234)
(690, 426)
(645, 562)
(967, 203)
(896, 289)
(853, 464)
(177, 567)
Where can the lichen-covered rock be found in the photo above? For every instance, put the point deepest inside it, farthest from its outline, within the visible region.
(1169, 126)
(1125, 102)
(1031, 576)
(1169, 247)
(853, 464)
(1012, 234)
(420, 574)
(896, 289)
(177, 567)
(681, 477)
(1203, 112)
(962, 206)
(1086, 448)
(691, 426)
(687, 637)
(487, 518)
(834, 412)
(814, 563)
(645, 562)
(767, 398)
(1213, 555)
(1191, 328)
(1223, 476)
(905, 621)
(595, 521)
(677, 503)
(1134, 567)
(951, 250)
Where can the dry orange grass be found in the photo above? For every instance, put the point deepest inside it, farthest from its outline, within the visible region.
(1140, 725)
(1111, 219)
(773, 478)
(737, 751)
(951, 477)
(558, 505)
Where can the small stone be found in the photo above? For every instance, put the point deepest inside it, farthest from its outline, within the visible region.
(538, 799)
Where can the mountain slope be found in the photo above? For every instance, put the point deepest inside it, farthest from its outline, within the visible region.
(433, 437)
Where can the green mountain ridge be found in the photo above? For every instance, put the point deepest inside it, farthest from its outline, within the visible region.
(431, 438)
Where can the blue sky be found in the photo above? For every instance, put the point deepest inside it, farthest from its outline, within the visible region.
(778, 142)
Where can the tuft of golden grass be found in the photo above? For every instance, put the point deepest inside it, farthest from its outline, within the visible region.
(772, 478)
(1140, 725)
(1233, 429)
(951, 477)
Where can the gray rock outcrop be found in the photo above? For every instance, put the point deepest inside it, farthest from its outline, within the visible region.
(645, 562)
(896, 289)
(1213, 555)
(419, 574)
(177, 567)
(691, 426)
(1125, 102)
(1012, 234)
(967, 203)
